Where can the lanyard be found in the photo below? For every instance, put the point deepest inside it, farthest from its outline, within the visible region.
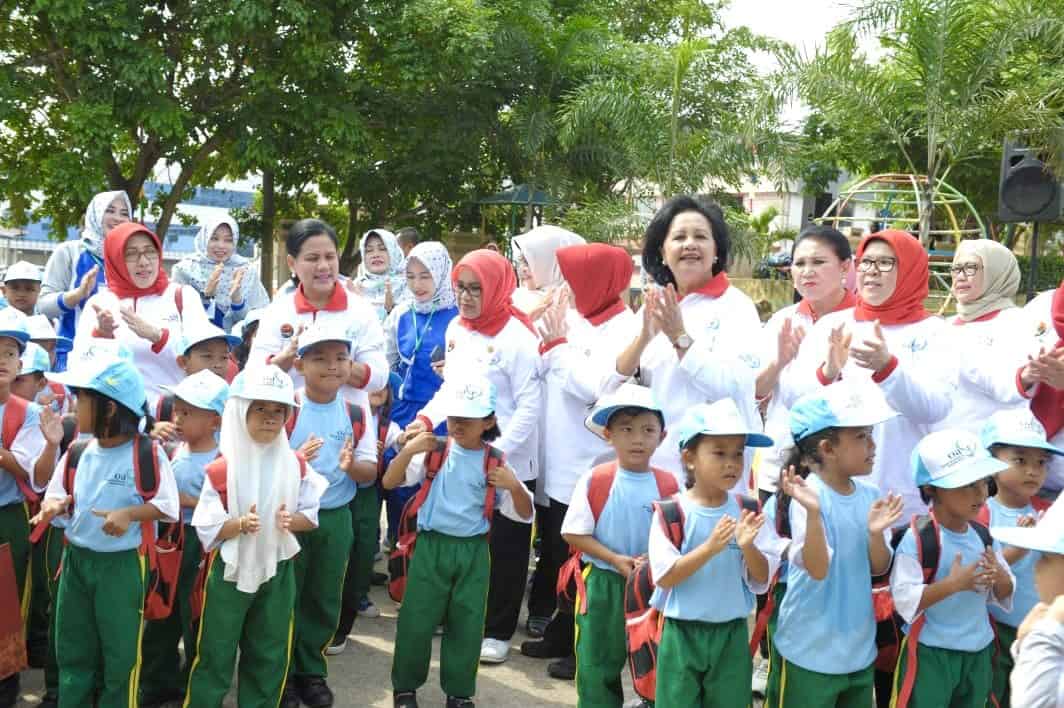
(419, 337)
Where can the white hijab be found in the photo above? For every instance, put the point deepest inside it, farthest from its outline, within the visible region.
(539, 247)
(266, 476)
(92, 234)
(200, 267)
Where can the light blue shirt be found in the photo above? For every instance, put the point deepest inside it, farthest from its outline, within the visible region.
(105, 480)
(624, 524)
(828, 625)
(189, 470)
(960, 621)
(720, 578)
(332, 423)
(9, 491)
(1025, 595)
(455, 504)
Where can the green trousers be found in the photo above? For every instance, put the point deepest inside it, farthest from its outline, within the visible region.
(319, 573)
(15, 530)
(791, 686)
(448, 585)
(704, 664)
(601, 645)
(1005, 635)
(946, 678)
(100, 613)
(52, 545)
(259, 624)
(164, 675)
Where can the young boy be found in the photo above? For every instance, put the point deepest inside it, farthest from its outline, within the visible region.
(205, 348)
(22, 287)
(1016, 438)
(198, 407)
(43, 335)
(946, 614)
(447, 581)
(613, 537)
(345, 453)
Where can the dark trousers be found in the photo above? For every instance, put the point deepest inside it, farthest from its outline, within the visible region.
(510, 545)
(553, 551)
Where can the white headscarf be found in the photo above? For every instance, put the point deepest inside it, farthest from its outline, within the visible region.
(199, 266)
(92, 234)
(372, 284)
(434, 256)
(266, 476)
(538, 247)
(1001, 277)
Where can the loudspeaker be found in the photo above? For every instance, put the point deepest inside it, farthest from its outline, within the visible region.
(1027, 190)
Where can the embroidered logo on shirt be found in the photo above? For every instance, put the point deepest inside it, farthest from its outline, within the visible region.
(287, 330)
(750, 360)
(1040, 329)
(918, 344)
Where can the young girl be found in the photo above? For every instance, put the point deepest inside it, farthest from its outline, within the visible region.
(100, 607)
(255, 497)
(839, 531)
(703, 659)
(945, 659)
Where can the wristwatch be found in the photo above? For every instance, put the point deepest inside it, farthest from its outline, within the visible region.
(684, 341)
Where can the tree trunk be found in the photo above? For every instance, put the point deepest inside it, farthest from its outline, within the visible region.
(269, 212)
(188, 168)
(926, 210)
(347, 255)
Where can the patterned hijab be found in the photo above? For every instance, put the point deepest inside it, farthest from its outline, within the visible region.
(92, 234)
(434, 256)
(200, 265)
(372, 284)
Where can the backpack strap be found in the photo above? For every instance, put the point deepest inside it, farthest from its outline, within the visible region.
(146, 467)
(493, 457)
(983, 517)
(74, 453)
(983, 531)
(216, 473)
(598, 487)
(164, 409)
(928, 544)
(290, 424)
(70, 432)
(358, 421)
(667, 485)
(59, 392)
(1039, 504)
(14, 417)
(672, 520)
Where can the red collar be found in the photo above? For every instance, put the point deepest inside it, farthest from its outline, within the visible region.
(714, 288)
(337, 301)
(957, 322)
(848, 300)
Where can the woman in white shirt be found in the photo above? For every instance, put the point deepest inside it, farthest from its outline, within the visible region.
(141, 308)
(535, 252)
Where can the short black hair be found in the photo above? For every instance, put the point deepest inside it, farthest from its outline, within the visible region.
(926, 494)
(305, 229)
(827, 235)
(491, 433)
(408, 234)
(658, 230)
(807, 450)
(122, 422)
(242, 351)
(633, 411)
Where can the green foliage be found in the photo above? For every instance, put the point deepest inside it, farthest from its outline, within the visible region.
(1050, 272)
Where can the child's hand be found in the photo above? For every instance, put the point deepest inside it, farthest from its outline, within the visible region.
(884, 513)
(116, 522)
(623, 564)
(964, 577)
(502, 477)
(422, 442)
(283, 518)
(747, 528)
(249, 522)
(347, 455)
(51, 426)
(1026, 521)
(105, 322)
(50, 508)
(797, 489)
(380, 448)
(411, 431)
(164, 431)
(990, 571)
(722, 533)
(310, 447)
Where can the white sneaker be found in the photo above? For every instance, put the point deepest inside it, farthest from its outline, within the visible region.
(367, 609)
(759, 682)
(494, 651)
(336, 648)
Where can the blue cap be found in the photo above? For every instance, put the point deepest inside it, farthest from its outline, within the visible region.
(264, 383)
(846, 404)
(469, 396)
(204, 389)
(13, 325)
(1046, 536)
(323, 332)
(1019, 428)
(41, 329)
(116, 379)
(628, 395)
(719, 418)
(204, 332)
(952, 458)
(35, 360)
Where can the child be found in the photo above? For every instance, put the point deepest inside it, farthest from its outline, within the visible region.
(102, 588)
(43, 335)
(614, 536)
(839, 531)
(1016, 438)
(945, 659)
(703, 659)
(256, 496)
(365, 518)
(245, 330)
(22, 287)
(1038, 679)
(30, 382)
(205, 348)
(345, 453)
(448, 574)
(198, 407)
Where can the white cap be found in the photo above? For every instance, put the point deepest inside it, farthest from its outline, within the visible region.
(847, 404)
(951, 459)
(22, 270)
(203, 332)
(1046, 536)
(204, 389)
(629, 395)
(41, 330)
(468, 396)
(264, 383)
(1017, 427)
(323, 332)
(35, 360)
(719, 418)
(96, 349)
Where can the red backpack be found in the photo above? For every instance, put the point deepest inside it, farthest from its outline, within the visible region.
(406, 537)
(571, 589)
(354, 412)
(163, 550)
(644, 623)
(14, 417)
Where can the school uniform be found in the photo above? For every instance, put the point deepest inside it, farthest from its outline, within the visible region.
(100, 604)
(164, 674)
(824, 645)
(623, 527)
(703, 658)
(157, 362)
(956, 643)
(448, 575)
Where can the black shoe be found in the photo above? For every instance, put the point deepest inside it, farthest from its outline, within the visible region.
(542, 649)
(290, 697)
(404, 699)
(453, 702)
(37, 656)
(535, 626)
(564, 669)
(9, 689)
(314, 692)
(380, 579)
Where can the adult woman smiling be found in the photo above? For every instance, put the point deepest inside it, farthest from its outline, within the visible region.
(140, 307)
(699, 335)
(317, 295)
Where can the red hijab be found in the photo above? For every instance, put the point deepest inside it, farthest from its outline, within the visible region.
(497, 284)
(114, 262)
(597, 274)
(1048, 402)
(906, 304)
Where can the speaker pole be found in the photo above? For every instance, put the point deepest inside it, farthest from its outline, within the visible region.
(1032, 266)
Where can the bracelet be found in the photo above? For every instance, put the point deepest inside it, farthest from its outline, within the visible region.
(240, 520)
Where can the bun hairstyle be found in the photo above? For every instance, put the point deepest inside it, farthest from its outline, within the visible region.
(305, 229)
(827, 235)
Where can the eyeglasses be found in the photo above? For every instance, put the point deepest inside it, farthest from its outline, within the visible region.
(969, 269)
(880, 265)
(473, 291)
(148, 254)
